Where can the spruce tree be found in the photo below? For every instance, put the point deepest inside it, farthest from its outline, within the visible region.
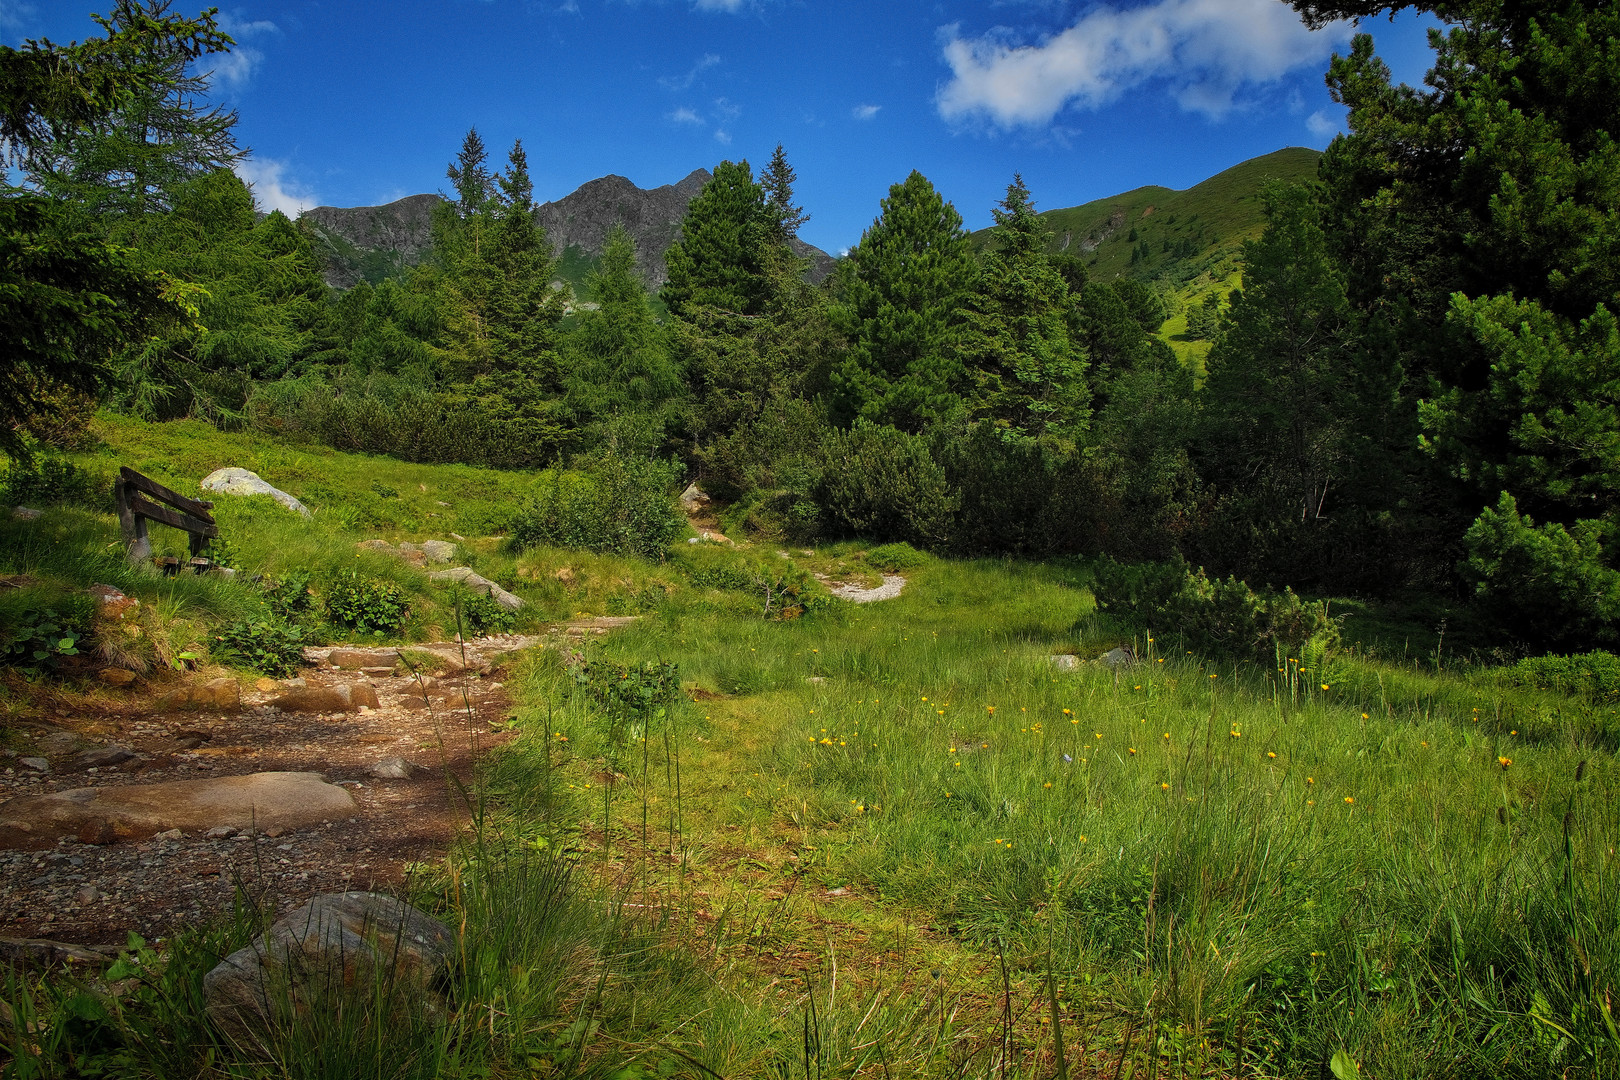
(901, 291)
(778, 180)
(1028, 375)
(721, 260)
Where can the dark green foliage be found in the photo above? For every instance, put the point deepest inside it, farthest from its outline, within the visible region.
(271, 647)
(882, 483)
(901, 289)
(38, 639)
(786, 219)
(483, 616)
(621, 380)
(45, 481)
(721, 259)
(626, 692)
(1546, 583)
(895, 558)
(366, 604)
(1028, 377)
(1214, 617)
(1008, 491)
(289, 596)
(617, 505)
(1593, 675)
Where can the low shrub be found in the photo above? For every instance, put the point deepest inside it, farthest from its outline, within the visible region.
(882, 483)
(289, 596)
(894, 558)
(51, 481)
(1214, 616)
(615, 506)
(366, 604)
(1594, 675)
(39, 638)
(272, 647)
(483, 616)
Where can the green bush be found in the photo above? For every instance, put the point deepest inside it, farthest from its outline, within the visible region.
(289, 596)
(51, 481)
(882, 483)
(272, 646)
(894, 558)
(39, 638)
(1215, 617)
(366, 604)
(484, 616)
(1594, 675)
(615, 506)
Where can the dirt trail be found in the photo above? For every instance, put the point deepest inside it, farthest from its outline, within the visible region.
(97, 893)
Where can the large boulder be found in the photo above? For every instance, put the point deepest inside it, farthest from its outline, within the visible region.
(219, 695)
(465, 576)
(273, 800)
(340, 944)
(235, 481)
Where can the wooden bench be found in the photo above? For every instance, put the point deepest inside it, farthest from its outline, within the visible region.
(171, 508)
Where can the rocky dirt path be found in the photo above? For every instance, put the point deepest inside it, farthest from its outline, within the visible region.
(393, 744)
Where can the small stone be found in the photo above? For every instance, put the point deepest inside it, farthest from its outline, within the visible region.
(235, 481)
(1117, 658)
(1064, 661)
(114, 676)
(351, 659)
(222, 695)
(346, 697)
(38, 764)
(168, 834)
(267, 686)
(377, 672)
(394, 768)
(219, 832)
(24, 513)
(86, 895)
(104, 756)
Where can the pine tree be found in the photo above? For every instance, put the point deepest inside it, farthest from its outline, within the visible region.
(778, 180)
(469, 175)
(902, 289)
(620, 374)
(721, 260)
(133, 158)
(1028, 375)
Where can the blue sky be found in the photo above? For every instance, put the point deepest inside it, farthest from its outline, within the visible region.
(349, 103)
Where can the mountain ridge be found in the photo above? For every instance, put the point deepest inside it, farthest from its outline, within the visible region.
(370, 243)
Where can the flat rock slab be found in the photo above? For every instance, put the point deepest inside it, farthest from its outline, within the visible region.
(346, 697)
(220, 695)
(235, 481)
(855, 594)
(271, 800)
(478, 583)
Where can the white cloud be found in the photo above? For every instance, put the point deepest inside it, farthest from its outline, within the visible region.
(726, 109)
(273, 189)
(684, 82)
(236, 68)
(685, 116)
(1204, 50)
(1322, 126)
(865, 112)
(722, 136)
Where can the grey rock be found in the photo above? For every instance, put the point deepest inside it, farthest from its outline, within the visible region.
(1114, 659)
(394, 768)
(24, 513)
(57, 742)
(693, 497)
(348, 939)
(219, 832)
(234, 481)
(38, 764)
(1064, 661)
(477, 583)
(103, 756)
(438, 551)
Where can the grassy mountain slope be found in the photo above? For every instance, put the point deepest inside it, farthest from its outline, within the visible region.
(1189, 241)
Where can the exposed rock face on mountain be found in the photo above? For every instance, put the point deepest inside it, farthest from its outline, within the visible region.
(369, 243)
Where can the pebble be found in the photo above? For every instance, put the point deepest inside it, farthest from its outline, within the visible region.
(38, 764)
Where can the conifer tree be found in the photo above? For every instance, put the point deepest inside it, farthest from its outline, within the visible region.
(778, 180)
(1028, 375)
(901, 292)
(721, 260)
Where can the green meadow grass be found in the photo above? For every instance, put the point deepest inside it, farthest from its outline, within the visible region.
(1257, 868)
